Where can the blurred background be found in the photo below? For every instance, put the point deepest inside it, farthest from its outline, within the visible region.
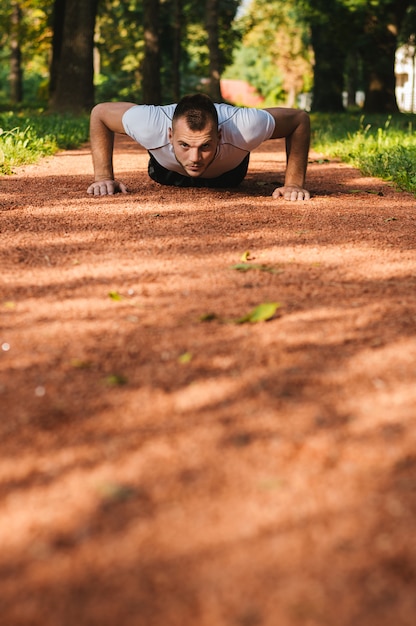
(66, 55)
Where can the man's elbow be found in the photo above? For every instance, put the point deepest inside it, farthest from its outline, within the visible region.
(304, 119)
(98, 111)
(110, 114)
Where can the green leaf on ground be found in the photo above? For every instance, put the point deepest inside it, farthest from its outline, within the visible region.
(260, 267)
(184, 358)
(115, 380)
(114, 295)
(260, 313)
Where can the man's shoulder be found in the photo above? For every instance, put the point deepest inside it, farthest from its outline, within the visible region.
(149, 111)
(149, 124)
(239, 115)
(244, 127)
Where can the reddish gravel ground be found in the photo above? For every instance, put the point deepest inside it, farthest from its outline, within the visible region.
(160, 469)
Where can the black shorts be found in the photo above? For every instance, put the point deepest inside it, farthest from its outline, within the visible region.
(166, 177)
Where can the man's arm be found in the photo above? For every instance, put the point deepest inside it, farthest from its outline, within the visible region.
(105, 120)
(294, 125)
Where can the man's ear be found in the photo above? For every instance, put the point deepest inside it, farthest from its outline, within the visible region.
(170, 135)
(219, 133)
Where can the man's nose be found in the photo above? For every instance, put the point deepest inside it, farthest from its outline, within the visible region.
(195, 155)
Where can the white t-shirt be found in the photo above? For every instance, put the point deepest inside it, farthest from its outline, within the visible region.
(242, 130)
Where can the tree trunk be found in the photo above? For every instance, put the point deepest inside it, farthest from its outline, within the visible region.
(380, 94)
(352, 77)
(212, 18)
(16, 72)
(378, 52)
(328, 70)
(177, 48)
(58, 18)
(74, 87)
(151, 63)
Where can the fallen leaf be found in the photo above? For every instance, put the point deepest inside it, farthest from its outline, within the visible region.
(115, 380)
(80, 364)
(260, 313)
(246, 256)
(245, 267)
(184, 358)
(208, 317)
(115, 492)
(114, 295)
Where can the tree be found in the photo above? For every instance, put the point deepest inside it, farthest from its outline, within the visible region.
(365, 31)
(58, 19)
(275, 54)
(173, 52)
(329, 40)
(212, 27)
(16, 73)
(74, 87)
(381, 29)
(177, 20)
(151, 61)
(24, 45)
(120, 51)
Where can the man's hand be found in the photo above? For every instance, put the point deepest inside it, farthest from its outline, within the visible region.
(106, 187)
(294, 126)
(106, 120)
(291, 192)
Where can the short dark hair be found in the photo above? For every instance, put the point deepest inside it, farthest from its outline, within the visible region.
(198, 110)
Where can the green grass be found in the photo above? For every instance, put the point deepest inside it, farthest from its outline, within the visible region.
(27, 136)
(382, 146)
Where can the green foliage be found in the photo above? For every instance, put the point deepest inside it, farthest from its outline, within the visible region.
(378, 145)
(25, 137)
(259, 71)
(35, 36)
(274, 55)
(122, 50)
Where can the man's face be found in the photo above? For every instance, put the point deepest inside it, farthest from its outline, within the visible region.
(194, 150)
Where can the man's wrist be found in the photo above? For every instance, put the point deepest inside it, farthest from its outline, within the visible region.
(100, 177)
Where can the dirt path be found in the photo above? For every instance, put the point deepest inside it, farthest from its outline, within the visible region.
(161, 470)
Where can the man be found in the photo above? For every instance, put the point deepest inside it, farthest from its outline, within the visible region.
(197, 143)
